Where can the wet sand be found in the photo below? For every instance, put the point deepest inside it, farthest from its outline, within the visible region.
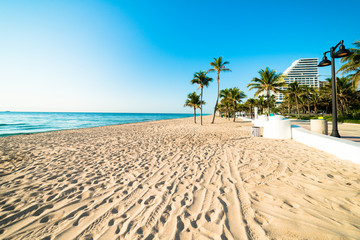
(173, 179)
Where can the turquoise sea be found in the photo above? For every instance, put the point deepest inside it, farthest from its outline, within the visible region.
(14, 123)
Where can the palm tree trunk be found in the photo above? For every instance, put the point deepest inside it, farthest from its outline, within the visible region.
(289, 108)
(217, 99)
(201, 106)
(195, 115)
(251, 111)
(268, 102)
(297, 107)
(315, 108)
(234, 110)
(309, 108)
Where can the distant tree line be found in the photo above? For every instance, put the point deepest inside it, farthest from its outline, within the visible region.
(300, 101)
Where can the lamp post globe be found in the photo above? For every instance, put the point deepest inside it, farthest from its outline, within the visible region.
(342, 52)
(325, 62)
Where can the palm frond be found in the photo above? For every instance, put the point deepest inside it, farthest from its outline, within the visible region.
(201, 79)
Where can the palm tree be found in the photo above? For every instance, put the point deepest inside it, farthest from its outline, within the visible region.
(352, 64)
(226, 102)
(193, 101)
(344, 91)
(325, 97)
(268, 81)
(261, 103)
(272, 102)
(202, 80)
(302, 100)
(295, 91)
(236, 95)
(315, 98)
(218, 66)
(250, 102)
(287, 100)
(308, 92)
(222, 107)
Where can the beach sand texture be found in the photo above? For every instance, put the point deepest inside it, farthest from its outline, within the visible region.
(173, 179)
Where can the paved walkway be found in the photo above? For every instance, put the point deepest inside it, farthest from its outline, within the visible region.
(348, 131)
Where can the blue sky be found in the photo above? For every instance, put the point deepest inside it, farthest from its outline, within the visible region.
(139, 56)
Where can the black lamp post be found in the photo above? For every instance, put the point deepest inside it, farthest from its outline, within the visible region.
(325, 62)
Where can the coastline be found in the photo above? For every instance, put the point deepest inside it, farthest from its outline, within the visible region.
(173, 179)
(18, 123)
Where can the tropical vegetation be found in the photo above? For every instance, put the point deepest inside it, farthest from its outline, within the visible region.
(295, 91)
(193, 101)
(202, 80)
(299, 100)
(312, 102)
(230, 100)
(352, 65)
(269, 81)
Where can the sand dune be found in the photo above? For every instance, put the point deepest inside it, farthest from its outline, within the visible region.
(173, 180)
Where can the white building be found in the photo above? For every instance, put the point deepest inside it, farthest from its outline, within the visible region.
(304, 71)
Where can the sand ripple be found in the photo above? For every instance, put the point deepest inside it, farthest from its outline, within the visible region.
(173, 180)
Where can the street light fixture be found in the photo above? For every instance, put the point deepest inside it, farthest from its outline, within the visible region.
(325, 62)
(342, 52)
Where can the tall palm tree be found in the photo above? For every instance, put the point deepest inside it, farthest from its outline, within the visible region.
(352, 64)
(236, 96)
(193, 101)
(295, 91)
(202, 80)
(269, 81)
(219, 66)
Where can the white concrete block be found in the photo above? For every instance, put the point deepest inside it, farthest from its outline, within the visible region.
(278, 129)
(341, 148)
(260, 121)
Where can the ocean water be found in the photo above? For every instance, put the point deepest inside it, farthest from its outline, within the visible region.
(14, 123)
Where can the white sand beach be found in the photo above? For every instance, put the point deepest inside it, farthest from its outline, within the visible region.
(173, 179)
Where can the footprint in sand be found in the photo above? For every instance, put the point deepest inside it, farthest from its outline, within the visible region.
(42, 209)
(150, 200)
